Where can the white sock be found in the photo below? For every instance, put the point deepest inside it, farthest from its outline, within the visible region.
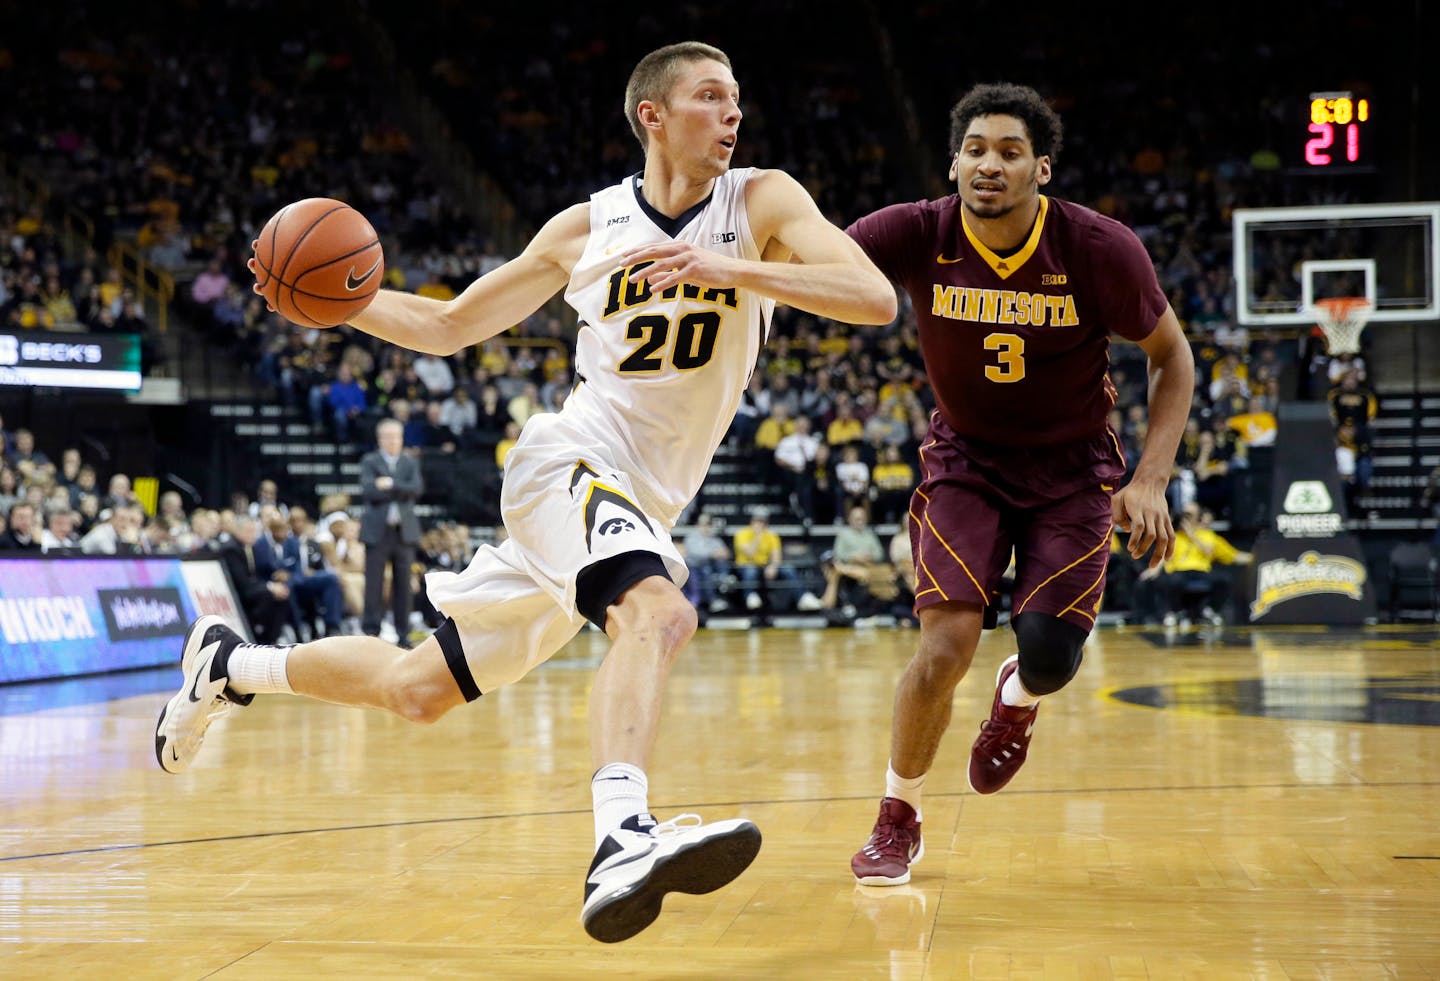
(620, 791)
(259, 669)
(1014, 693)
(904, 788)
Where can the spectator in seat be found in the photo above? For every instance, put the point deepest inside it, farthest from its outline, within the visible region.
(20, 535)
(458, 413)
(1193, 588)
(266, 603)
(1256, 426)
(435, 373)
(858, 576)
(708, 557)
(210, 285)
(345, 400)
(1353, 402)
(852, 474)
(1353, 459)
(767, 584)
(894, 483)
(314, 588)
(25, 451)
(59, 534)
(795, 462)
(121, 533)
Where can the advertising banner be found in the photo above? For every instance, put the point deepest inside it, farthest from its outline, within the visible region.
(63, 616)
(36, 358)
(1308, 568)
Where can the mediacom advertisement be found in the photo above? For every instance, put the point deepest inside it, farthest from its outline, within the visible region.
(70, 616)
(1308, 568)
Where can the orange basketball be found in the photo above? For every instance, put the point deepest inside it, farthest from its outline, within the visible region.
(318, 262)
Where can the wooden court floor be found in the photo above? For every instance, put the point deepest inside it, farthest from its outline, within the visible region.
(1243, 805)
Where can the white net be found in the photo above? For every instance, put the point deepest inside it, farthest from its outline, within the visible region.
(1342, 318)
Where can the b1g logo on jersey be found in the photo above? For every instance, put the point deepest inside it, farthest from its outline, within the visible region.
(721, 238)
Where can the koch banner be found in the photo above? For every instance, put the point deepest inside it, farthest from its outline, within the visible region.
(62, 616)
(32, 359)
(1308, 568)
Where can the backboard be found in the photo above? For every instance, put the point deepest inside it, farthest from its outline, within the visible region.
(1287, 258)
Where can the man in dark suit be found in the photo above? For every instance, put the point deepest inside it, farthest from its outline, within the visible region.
(314, 589)
(266, 602)
(391, 484)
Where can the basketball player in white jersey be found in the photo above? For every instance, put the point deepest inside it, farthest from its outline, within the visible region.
(674, 274)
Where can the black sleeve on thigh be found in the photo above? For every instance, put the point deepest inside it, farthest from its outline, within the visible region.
(449, 637)
(598, 586)
(1050, 651)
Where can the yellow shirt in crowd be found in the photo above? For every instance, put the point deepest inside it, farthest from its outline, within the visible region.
(893, 476)
(750, 551)
(842, 431)
(1197, 551)
(768, 436)
(1255, 428)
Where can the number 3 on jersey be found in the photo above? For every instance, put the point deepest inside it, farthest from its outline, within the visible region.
(695, 336)
(1011, 353)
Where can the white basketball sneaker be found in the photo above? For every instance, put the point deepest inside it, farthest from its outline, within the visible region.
(639, 862)
(203, 696)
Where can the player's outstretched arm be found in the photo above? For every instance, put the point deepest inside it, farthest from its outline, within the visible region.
(1140, 507)
(490, 305)
(831, 277)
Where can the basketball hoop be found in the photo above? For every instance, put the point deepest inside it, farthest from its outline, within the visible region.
(1342, 318)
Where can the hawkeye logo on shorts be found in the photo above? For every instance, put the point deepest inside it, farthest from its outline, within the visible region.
(611, 514)
(616, 526)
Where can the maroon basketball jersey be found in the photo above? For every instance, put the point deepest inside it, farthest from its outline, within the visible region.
(1018, 347)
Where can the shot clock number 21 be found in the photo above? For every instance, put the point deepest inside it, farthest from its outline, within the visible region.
(1336, 121)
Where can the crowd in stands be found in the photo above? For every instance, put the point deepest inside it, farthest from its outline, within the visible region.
(44, 289)
(298, 571)
(171, 141)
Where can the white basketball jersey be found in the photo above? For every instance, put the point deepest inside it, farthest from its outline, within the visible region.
(663, 373)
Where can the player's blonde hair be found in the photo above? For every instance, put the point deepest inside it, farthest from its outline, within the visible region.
(655, 75)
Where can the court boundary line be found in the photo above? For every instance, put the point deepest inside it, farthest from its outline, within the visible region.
(960, 795)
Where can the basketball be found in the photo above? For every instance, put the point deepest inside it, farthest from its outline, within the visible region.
(318, 262)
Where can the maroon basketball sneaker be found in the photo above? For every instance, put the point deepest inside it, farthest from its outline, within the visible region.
(894, 846)
(1004, 738)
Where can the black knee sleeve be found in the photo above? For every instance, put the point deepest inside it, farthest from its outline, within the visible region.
(1050, 651)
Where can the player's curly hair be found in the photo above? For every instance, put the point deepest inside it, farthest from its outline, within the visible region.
(655, 75)
(1007, 99)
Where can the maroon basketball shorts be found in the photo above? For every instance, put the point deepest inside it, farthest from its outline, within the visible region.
(1051, 505)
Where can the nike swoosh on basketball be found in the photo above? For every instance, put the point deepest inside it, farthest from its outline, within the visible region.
(945, 262)
(352, 284)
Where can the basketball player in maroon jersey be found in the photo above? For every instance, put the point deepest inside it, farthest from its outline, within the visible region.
(1016, 295)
